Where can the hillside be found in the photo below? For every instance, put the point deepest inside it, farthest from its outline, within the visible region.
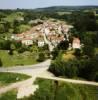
(66, 8)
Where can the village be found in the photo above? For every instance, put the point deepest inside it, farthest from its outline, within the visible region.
(48, 50)
(49, 32)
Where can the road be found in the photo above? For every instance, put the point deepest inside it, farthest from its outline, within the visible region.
(70, 80)
(42, 65)
(25, 88)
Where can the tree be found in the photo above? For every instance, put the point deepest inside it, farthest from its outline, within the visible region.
(33, 48)
(77, 52)
(89, 69)
(54, 53)
(60, 67)
(15, 26)
(88, 50)
(63, 45)
(12, 48)
(22, 49)
(7, 25)
(2, 28)
(1, 63)
(41, 57)
(17, 44)
(84, 21)
(5, 44)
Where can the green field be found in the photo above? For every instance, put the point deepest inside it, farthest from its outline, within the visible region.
(11, 17)
(96, 50)
(64, 13)
(50, 90)
(25, 58)
(11, 95)
(96, 14)
(7, 78)
(97, 21)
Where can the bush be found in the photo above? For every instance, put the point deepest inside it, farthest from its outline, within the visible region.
(54, 53)
(41, 57)
(88, 69)
(77, 53)
(10, 52)
(84, 68)
(62, 68)
(1, 63)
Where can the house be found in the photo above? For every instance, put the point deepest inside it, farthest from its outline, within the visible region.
(60, 29)
(76, 43)
(25, 38)
(27, 41)
(41, 42)
(17, 36)
(55, 39)
(47, 31)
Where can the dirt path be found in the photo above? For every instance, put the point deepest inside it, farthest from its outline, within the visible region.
(70, 80)
(14, 85)
(26, 88)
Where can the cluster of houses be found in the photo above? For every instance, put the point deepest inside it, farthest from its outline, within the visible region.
(49, 32)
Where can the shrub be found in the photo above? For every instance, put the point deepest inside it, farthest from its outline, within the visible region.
(41, 57)
(1, 63)
(62, 68)
(77, 52)
(84, 68)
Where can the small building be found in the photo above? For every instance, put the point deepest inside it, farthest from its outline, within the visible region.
(27, 41)
(41, 42)
(76, 43)
(17, 36)
(46, 31)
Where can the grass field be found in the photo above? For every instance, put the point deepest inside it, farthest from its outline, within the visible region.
(7, 78)
(11, 17)
(11, 95)
(96, 50)
(62, 13)
(64, 91)
(97, 21)
(68, 55)
(96, 14)
(25, 58)
(50, 90)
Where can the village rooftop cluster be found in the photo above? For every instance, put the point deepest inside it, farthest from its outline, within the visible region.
(49, 32)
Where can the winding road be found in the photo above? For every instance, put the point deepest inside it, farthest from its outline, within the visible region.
(25, 88)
